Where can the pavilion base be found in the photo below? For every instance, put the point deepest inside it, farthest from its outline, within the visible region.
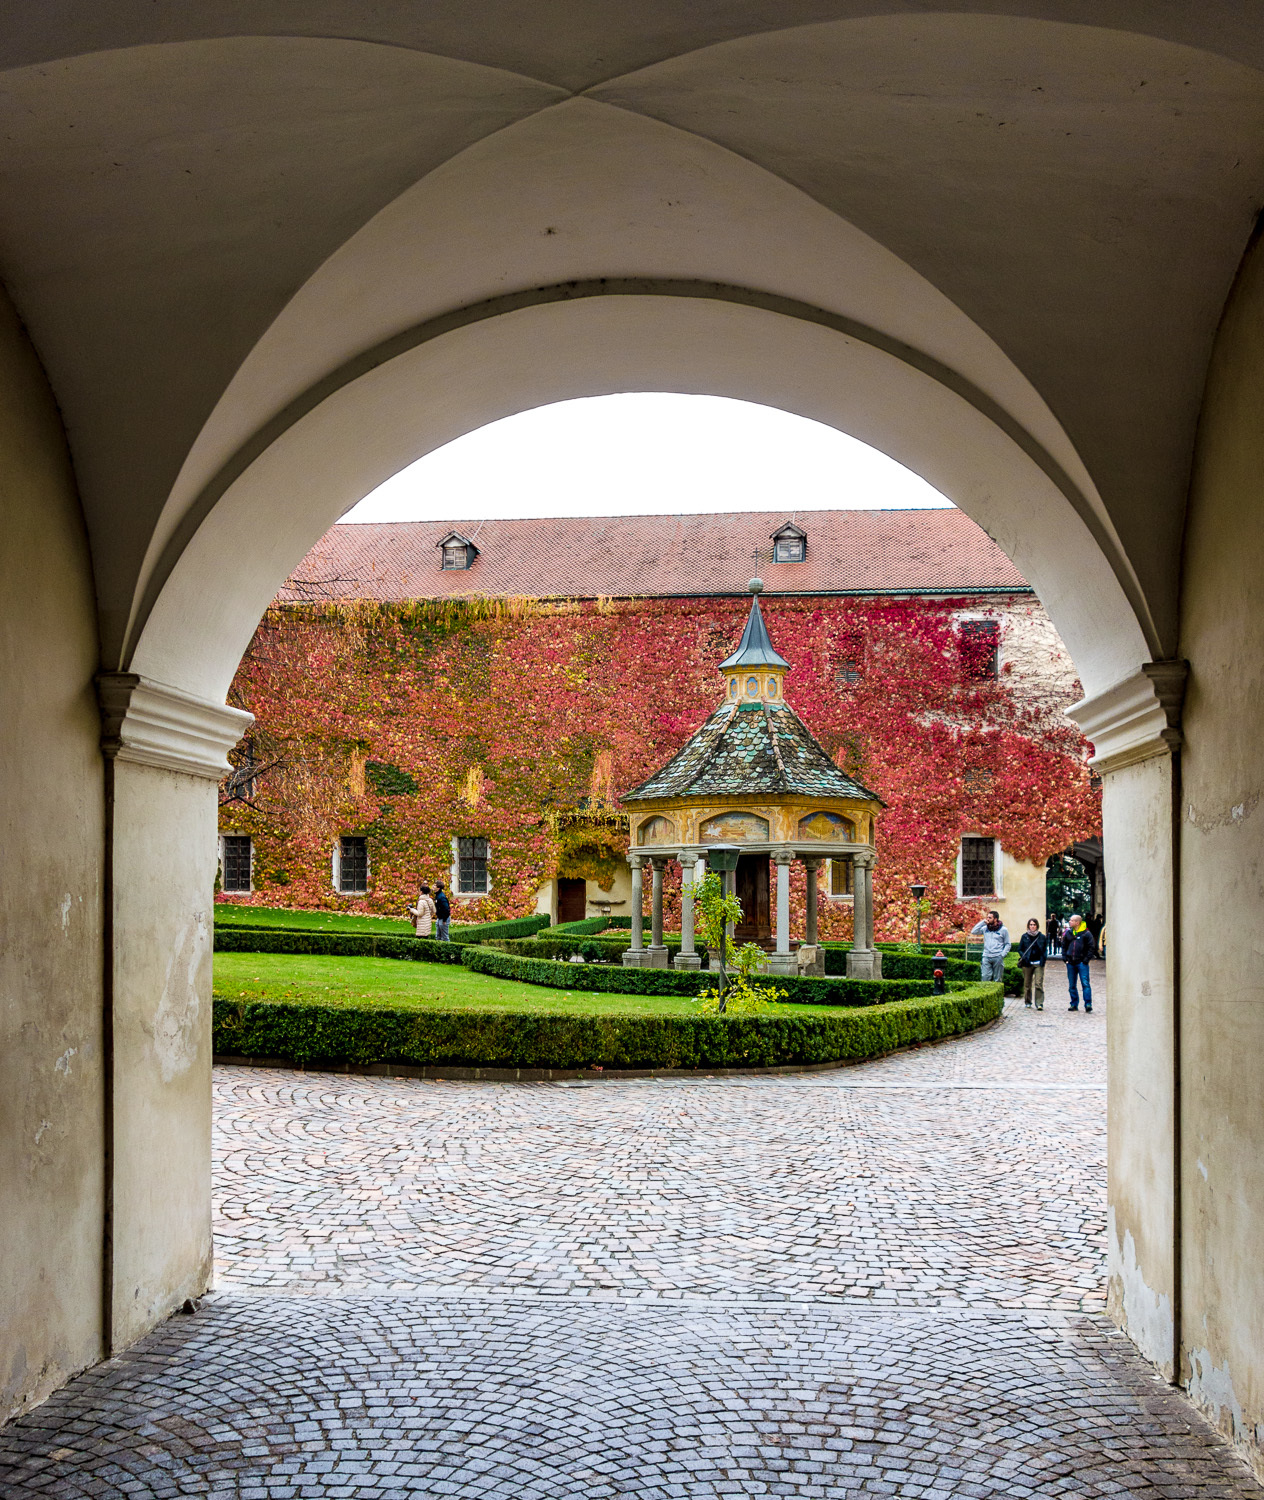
(811, 961)
(687, 961)
(645, 958)
(864, 964)
(780, 963)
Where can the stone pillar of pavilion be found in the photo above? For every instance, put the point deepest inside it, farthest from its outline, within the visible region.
(811, 954)
(864, 961)
(692, 870)
(656, 953)
(634, 957)
(782, 960)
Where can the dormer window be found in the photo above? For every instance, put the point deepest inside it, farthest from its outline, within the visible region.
(790, 544)
(456, 552)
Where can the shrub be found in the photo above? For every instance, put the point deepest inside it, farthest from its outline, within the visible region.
(334, 944)
(309, 1032)
(478, 932)
(621, 981)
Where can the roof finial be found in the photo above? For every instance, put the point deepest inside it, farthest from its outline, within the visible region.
(755, 586)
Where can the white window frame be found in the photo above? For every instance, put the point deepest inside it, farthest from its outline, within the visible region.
(454, 873)
(336, 867)
(998, 868)
(250, 884)
(847, 896)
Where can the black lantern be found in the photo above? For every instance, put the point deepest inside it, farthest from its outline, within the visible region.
(919, 891)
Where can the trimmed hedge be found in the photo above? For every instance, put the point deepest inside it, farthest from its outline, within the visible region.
(309, 1032)
(335, 944)
(620, 981)
(478, 932)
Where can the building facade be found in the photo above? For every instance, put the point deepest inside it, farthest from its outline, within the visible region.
(466, 705)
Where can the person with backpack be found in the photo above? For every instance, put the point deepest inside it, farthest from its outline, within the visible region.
(1033, 949)
(1077, 949)
(443, 912)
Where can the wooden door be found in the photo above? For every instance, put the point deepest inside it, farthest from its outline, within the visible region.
(752, 892)
(572, 899)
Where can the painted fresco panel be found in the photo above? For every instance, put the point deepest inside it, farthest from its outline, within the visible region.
(734, 828)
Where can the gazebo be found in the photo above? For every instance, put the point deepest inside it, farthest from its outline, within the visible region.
(754, 776)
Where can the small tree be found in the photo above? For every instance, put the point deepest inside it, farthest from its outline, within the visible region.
(714, 911)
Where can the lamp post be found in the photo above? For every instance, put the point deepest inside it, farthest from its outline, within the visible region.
(919, 891)
(723, 858)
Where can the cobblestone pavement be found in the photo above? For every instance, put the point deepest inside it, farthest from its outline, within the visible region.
(882, 1280)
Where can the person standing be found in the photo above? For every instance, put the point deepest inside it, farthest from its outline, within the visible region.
(996, 945)
(443, 912)
(423, 913)
(1033, 949)
(1077, 950)
(1052, 929)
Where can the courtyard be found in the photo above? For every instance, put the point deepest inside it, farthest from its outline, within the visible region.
(880, 1279)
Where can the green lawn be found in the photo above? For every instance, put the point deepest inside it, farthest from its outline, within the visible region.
(308, 921)
(391, 982)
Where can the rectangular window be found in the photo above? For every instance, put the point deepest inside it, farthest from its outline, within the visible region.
(471, 872)
(353, 866)
(789, 550)
(840, 877)
(980, 649)
(849, 662)
(235, 865)
(455, 555)
(978, 867)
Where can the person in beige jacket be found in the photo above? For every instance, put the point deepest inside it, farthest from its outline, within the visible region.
(423, 914)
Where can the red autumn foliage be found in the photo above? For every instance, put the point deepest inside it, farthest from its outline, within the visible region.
(496, 718)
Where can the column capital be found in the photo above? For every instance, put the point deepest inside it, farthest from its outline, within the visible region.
(659, 861)
(865, 858)
(812, 862)
(783, 856)
(154, 724)
(635, 858)
(1136, 719)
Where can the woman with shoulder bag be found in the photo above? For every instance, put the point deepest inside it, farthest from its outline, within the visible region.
(1033, 949)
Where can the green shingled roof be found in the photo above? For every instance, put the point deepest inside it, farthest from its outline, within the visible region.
(750, 750)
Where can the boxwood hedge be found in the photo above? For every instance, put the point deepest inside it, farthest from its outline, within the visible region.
(310, 1032)
(621, 981)
(334, 944)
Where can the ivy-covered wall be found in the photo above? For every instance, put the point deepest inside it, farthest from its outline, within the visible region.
(414, 723)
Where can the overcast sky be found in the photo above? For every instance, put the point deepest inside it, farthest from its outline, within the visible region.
(645, 454)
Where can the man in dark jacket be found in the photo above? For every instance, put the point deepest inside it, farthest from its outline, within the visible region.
(443, 912)
(1032, 951)
(1077, 949)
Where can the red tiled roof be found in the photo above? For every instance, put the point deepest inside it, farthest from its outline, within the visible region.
(848, 551)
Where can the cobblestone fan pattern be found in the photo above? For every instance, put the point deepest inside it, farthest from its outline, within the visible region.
(531, 1398)
(937, 1178)
(882, 1280)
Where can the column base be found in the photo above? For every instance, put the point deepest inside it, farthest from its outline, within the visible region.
(866, 964)
(687, 961)
(645, 958)
(780, 963)
(811, 958)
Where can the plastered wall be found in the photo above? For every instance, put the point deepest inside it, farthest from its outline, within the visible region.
(1137, 825)
(164, 873)
(51, 840)
(1222, 885)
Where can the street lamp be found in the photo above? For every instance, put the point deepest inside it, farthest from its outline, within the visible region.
(723, 858)
(919, 891)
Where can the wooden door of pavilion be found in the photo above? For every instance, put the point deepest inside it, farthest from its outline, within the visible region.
(753, 894)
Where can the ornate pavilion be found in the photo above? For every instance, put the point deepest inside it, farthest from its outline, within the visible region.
(754, 776)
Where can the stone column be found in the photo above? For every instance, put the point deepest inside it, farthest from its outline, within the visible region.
(783, 961)
(811, 957)
(634, 957)
(863, 962)
(813, 867)
(688, 957)
(656, 953)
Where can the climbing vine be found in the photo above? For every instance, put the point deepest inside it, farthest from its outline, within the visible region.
(520, 721)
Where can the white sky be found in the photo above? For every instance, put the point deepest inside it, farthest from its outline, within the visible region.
(645, 454)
